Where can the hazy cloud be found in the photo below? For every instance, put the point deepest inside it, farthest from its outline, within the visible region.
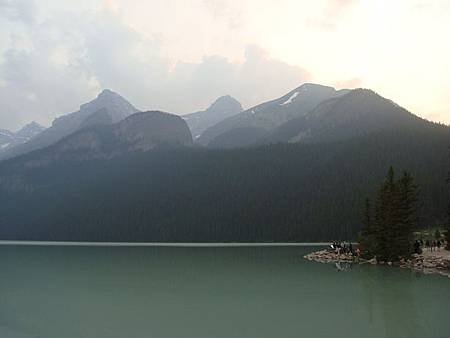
(331, 13)
(257, 79)
(69, 61)
(224, 9)
(21, 10)
(179, 56)
(355, 82)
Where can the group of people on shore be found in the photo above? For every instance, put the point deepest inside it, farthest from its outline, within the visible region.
(430, 244)
(345, 248)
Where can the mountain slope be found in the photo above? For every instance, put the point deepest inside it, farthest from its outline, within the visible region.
(6, 138)
(285, 192)
(139, 132)
(29, 131)
(359, 112)
(222, 108)
(117, 107)
(269, 115)
(9, 139)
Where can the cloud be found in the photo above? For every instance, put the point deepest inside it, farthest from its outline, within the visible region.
(257, 79)
(18, 10)
(224, 9)
(331, 13)
(355, 82)
(45, 76)
(69, 59)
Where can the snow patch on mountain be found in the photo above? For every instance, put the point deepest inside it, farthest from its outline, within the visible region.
(289, 100)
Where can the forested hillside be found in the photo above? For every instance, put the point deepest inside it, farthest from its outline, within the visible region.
(272, 193)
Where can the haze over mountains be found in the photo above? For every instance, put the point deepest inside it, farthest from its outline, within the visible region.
(138, 132)
(117, 108)
(294, 170)
(248, 126)
(310, 113)
(9, 139)
(357, 113)
(224, 107)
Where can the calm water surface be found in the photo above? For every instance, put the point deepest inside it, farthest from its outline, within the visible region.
(248, 292)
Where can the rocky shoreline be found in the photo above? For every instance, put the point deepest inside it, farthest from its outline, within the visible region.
(436, 262)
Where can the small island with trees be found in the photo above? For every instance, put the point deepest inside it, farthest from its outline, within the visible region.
(390, 235)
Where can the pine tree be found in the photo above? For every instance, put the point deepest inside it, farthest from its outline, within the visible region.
(384, 225)
(392, 226)
(367, 233)
(407, 218)
(447, 234)
(389, 236)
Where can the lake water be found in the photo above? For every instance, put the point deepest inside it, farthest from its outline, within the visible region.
(213, 292)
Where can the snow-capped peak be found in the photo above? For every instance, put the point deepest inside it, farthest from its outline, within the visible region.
(290, 99)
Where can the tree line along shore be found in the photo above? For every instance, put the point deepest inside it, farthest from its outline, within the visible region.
(389, 234)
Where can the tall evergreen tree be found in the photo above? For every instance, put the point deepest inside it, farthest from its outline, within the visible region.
(407, 217)
(384, 217)
(393, 219)
(389, 238)
(447, 234)
(367, 233)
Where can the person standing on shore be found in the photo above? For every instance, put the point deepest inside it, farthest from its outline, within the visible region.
(417, 247)
(358, 254)
(350, 249)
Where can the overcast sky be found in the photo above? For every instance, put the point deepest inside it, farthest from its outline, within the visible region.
(179, 55)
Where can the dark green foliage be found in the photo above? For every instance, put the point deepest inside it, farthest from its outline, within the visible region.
(272, 193)
(367, 236)
(437, 234)
(391, 235)
(407, 218)
(447, 234)
(385, 218)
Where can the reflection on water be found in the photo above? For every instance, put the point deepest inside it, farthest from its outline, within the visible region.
(392, 297)
(116, 292)
(343, 266)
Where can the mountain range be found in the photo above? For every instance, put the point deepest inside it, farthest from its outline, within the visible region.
(221, 109)
(9, 139)
(138, 132)
(117, 108)
(310, 113)
(252, 124)
(357, 113)
(295, 169)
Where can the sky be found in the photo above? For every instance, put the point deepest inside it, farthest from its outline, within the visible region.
(180, 55)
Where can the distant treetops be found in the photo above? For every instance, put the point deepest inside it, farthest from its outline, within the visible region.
(389, 223)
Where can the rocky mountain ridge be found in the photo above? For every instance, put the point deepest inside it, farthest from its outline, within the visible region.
(117, 108)
(265, 117)
(142, 131)
(224, 107)
(9, 139)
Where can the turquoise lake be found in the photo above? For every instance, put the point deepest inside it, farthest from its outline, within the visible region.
(210, 292)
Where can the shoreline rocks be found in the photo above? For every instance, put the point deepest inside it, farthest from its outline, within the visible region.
(437, 262)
